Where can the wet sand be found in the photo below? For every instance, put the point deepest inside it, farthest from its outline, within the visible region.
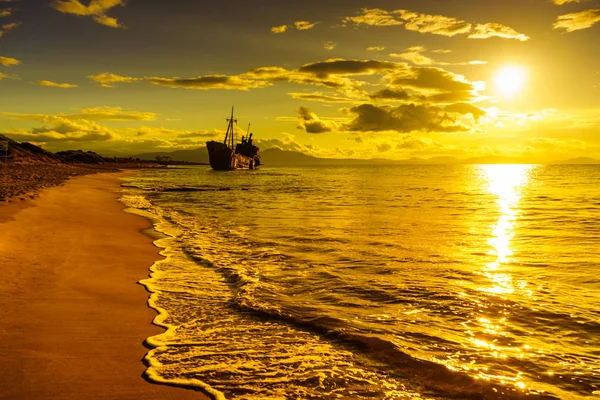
(73, 317)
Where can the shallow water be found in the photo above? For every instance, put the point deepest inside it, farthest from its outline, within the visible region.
(377, 282)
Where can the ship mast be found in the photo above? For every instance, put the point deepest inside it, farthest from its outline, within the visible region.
(229, 136)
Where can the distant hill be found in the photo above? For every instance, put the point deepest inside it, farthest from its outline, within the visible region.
(494, 160)
(25, 152)
(276, 156)
(578, 160)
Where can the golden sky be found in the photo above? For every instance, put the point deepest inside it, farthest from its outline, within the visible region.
(362, 79)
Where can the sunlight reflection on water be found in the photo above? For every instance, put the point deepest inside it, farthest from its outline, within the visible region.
(507, 183)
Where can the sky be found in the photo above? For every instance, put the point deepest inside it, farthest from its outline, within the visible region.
(335, 78)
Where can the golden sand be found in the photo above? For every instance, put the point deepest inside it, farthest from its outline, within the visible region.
(73, 317)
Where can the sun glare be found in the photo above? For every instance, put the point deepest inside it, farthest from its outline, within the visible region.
(510, 80)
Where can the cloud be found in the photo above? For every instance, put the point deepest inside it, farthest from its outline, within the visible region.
(6, 12)
(329, 45)
(372, 17)
(279, 29)
(3, 76)
(404, 118)
(7, 61)
(338, 66)
(343, 76)
(415, 55)
(288, 143)
(577, 21)
(435, 24)
(63, 129)
(391, 94)
(416, 144)
(320, 97)
(106, 79)
(299, 25)
(90, 114)
(210, 82)
(304, 25)
(465, 108)
(561, 2)
(8, 27)
(330, 75)
(95, 9)
(54, 84)
(383, 147)
(376, 48)
(311, 123)
(431, 78)
(485, 31)
(430, 23)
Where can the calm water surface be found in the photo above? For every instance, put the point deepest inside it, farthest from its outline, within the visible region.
(376, 282)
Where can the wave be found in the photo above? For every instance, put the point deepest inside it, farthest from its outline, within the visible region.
(249, 296)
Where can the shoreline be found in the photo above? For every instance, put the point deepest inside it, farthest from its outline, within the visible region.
(74, 316)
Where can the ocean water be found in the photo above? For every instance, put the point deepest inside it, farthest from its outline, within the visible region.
(376, 282)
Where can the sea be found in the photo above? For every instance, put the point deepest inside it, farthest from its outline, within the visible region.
(375, 282)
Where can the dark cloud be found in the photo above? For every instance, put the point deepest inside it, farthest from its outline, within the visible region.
(326, 68)
(383, 147)
(404, 118)
(465, 108)
(209, 82)
(432, 78)
(311, 123)
(391, 94)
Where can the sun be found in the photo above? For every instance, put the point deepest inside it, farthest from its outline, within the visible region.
(510, 80)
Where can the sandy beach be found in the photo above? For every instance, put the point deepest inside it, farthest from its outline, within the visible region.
(73, 317)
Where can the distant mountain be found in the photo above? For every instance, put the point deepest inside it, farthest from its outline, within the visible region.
(493, 160)
(199, 155)
(578, 160)
(275, 156)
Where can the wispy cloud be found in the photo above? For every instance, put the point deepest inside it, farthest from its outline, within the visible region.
(210, 82)
(54, 84)
(317, 96)
(8, 27)
(6, 12)
(486, 31)
(373, 17)
(107, 79)
(90, 114)
(561, 2)
(95, 9)
(429, 23)
(8, 61)
(577, 21)
(304, 25)
(298, 25)
(329, 45)
(435, 24)
(279, 29)
(376, 48)
(415, 55)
